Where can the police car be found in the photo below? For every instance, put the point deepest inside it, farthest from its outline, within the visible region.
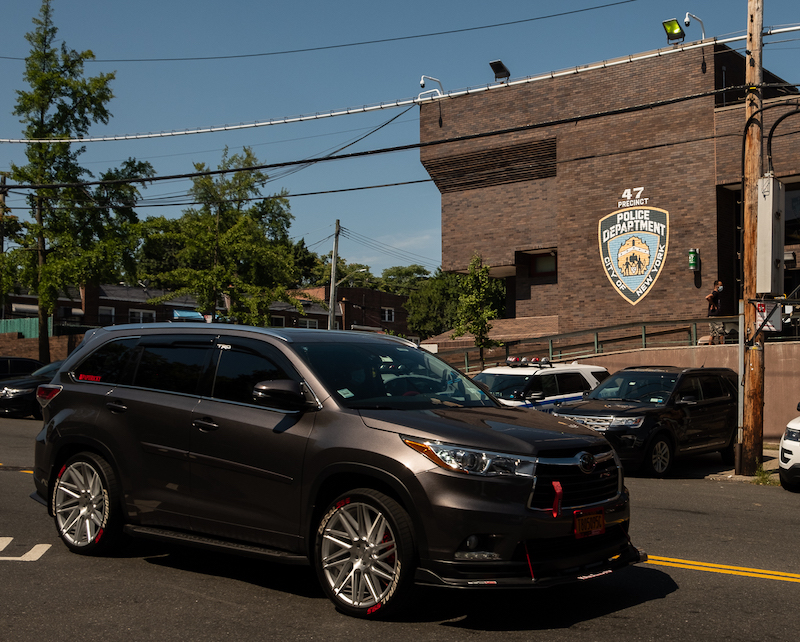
(540, 384)
(789, 465)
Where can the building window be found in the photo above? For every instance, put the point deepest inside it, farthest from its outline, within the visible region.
(544, 265)
(141, 316)
(307, 323)
(277, 322)
(105, 315)
(387, 315)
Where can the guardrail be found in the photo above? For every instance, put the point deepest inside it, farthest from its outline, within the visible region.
(580, 343)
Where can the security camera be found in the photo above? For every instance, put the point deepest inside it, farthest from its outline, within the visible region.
(422, 82)
(686, 20)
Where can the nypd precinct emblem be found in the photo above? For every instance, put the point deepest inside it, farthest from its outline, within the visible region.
(633, 247)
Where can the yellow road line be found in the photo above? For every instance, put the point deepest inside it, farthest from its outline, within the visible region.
(723, 568)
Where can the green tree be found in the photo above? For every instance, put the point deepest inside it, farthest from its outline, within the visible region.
(402, 279)
(476, 306)
(232, 250)
(75, 233)
(432, 305)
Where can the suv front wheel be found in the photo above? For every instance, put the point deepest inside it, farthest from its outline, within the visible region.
(365, 554)
(660, 454)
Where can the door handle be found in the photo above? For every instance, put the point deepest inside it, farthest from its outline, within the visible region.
(206, 425)
(114, 406)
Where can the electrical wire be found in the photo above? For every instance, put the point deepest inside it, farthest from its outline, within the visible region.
(413, 146)
(357, 44)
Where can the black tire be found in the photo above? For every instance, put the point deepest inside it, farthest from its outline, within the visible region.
(85, 505)
(660, 456)
(365, 555)
(792, 487)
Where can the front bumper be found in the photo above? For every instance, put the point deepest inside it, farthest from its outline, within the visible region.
(520, 541)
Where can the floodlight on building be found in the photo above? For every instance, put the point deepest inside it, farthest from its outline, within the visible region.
(501, 72)
(674, 30)
(687, 22)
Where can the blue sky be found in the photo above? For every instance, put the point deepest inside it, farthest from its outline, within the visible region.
(387, 226)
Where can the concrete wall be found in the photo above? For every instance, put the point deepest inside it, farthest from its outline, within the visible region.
(781, 377)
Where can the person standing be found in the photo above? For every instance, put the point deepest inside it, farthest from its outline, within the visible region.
(714, 310)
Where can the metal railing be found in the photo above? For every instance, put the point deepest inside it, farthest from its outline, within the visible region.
(581, 343)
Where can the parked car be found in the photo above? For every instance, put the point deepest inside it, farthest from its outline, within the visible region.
(361, 454)
(539, 384)
(789, 460)
(17, 366)
(18, 396)
(652, 415)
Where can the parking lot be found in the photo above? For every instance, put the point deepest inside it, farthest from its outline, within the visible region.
(721, 567)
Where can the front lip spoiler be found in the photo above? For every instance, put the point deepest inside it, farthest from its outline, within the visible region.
(631, 555)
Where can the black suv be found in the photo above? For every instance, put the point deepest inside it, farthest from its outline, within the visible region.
(651, 415)
(361, 454)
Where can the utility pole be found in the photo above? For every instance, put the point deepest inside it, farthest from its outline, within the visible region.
(753, 374)
(332, 294)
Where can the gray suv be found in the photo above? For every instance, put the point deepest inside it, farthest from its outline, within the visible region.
(363, 455)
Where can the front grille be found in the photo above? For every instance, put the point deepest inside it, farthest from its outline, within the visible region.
(579, 488)
(598, 423)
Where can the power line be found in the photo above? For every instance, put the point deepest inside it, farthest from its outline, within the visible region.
(420, 99)
(356, 44)
(413, 146)
(398, 253)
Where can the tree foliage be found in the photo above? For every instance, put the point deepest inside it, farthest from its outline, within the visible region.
(232, 250)
(432, 305)
(476, 306)
(403, 279)
(77, 234)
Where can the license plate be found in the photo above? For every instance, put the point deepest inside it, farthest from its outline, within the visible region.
(589, 522)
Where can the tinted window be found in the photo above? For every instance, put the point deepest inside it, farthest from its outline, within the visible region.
(174, 367)
(23, 367)
(504, 386)
(712, 388)
(569, 382)
(689, 388)
(240, 368)
(546, 384)
(107, 363)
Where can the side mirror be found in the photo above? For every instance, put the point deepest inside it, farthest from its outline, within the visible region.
(688, 399)
(282, 393)
(535, 396)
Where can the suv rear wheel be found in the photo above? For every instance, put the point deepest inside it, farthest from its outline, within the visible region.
(365, 554)
(85, 504)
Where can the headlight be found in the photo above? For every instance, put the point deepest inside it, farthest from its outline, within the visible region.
(627, 422)
(474, 462)
(15, 392)
(792, 434)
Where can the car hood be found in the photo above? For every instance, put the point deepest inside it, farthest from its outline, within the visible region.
(511, 430)
(601, 407)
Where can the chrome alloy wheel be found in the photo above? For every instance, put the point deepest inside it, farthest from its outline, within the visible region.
(359, 555)
(80, 504)
(660, 457)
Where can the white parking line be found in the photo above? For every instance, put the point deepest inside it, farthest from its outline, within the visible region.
(31, 556)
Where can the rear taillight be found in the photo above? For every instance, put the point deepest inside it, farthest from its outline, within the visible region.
(46, 393)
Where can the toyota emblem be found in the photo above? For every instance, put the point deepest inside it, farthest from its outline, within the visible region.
(586, 462)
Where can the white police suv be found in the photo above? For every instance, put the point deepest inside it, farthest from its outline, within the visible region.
(789, 464)
(532, 383)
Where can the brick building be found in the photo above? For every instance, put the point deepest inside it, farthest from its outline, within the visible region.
(586, 190)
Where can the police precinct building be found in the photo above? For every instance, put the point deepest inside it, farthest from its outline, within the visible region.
(586, 190)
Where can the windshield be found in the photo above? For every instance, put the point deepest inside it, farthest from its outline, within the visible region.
(641, 386)
(504, 386)
(389, 375)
